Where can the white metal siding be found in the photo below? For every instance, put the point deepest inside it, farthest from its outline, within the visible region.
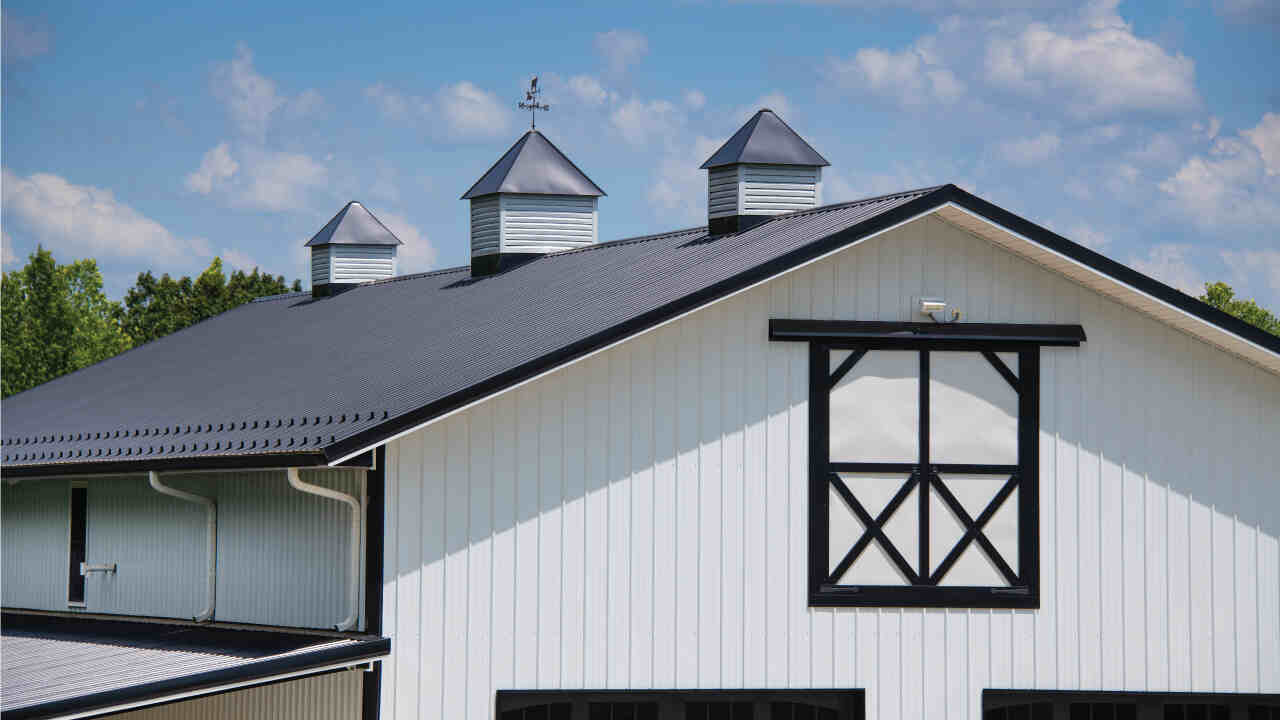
(537, 224)
(639, 519)
(333, 696)
(777, 189)
(361, 263)
(320, 265)
(282, 555)
(723, 191)
(486, 225)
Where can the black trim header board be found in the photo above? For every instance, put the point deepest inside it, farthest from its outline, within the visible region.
(933, 333)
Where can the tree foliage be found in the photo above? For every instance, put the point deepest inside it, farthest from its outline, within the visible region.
(1221, 296)
(56, 318)
(153, 308)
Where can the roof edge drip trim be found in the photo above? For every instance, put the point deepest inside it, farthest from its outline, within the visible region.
(802, 330)
(253, 672)
(932, 200)
(263, 461)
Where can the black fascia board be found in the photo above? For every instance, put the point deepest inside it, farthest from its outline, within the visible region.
(932, 200)
(264, 670)
(943, 333)
(192, 464)
(1113, 269)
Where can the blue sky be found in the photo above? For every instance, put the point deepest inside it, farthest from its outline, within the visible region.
(153, 136)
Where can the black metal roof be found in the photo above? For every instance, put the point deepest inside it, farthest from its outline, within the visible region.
(766, 140)
(354, 225)
(53, 666)
(533, 166)
(299, 380)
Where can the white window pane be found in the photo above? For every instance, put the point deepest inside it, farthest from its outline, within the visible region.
(874, 410)
(873, 567)
(843, 529)
(974, 567)
(973, 411)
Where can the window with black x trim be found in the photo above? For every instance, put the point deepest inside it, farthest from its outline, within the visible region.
(924, 473)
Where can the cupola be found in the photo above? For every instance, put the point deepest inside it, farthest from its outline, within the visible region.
(352, 248)
(765, 169)
(533, 201)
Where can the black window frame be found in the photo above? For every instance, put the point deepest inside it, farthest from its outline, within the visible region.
(77, 542)
(824, 336)
(851, 703)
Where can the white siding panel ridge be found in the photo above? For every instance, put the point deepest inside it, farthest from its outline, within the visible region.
(531, 224)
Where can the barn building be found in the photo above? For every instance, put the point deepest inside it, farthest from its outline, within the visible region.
(911, 456)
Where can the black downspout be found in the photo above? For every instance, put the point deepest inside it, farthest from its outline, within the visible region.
(375, 481)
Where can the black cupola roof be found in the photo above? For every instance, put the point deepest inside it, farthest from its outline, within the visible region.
(533, 166)
(766, 140)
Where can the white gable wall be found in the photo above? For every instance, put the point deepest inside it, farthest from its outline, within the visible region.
(639, 519)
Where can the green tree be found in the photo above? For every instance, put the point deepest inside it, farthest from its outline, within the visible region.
(1221, 296)
(53, 319)
(154, 308)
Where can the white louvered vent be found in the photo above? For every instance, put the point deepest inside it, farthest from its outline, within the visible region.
(722, 191)
(352, 264)
(531, 224)
(777, 189)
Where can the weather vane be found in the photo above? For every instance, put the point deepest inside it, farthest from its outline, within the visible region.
(531, 103)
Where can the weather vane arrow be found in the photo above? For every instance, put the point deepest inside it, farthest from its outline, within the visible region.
(531, 103)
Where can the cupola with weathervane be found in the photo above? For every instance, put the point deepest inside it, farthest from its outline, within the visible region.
(533, 201)
(765, 169)
(352, 248)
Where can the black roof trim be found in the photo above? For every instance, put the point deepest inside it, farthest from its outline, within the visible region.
(193, 464)
(1035, 334)
(1115, 270)
(934, 198)
(361, 648)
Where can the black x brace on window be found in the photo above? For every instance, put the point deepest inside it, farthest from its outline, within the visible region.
(923, 461)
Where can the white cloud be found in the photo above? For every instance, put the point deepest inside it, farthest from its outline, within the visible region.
(1246, 263)
(7, 256)
(85, 220)
(775, 101)
(390, 102)
(21, 39)
(279, 181)
(250, 98)
(679, 191)
(587, 90)
(417, 253)
(1094, 66)
(469, 111)
(257, 178)
(695, 99)
(306, 104)
(910, 77)
(216, 166)
(1266, 137)
(641, 123)
(1025, 152)
(621, 49)
(1235, 184)
(1087, 236)
(239, 260)
(1171, 264)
